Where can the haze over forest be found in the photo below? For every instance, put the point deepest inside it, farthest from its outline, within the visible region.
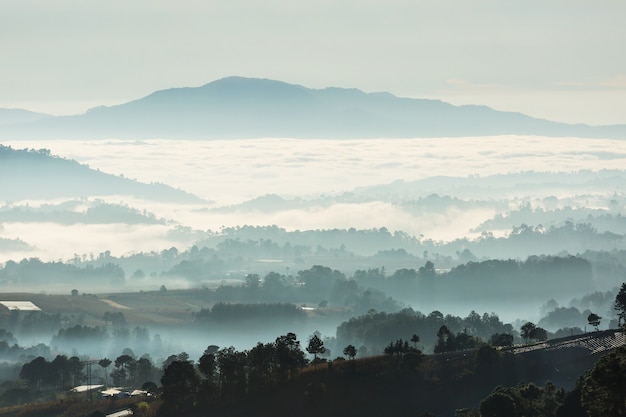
(435, 192)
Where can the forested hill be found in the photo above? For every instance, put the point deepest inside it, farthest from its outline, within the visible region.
(237, 107)
(36, 174)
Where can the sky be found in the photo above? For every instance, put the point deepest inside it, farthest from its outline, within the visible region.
(556, 59)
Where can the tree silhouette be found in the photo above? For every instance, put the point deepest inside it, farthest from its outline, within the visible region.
(315, 347)
(105, 363)
(207, 363)
(594, 320)
(527, 331)
(349, 351)
(180, 384)
(123, 363)
(620, 305)
(289, 357)
(415, 340)
(604, 387)
(501, 339)
(539, 334)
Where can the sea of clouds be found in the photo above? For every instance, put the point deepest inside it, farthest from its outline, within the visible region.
(226, 172)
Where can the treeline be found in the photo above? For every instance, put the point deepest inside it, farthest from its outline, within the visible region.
(269, 380)
(225, 314)
(98, 212)
(372, 331)
(35, 271)
(240, 251)
(537, 276)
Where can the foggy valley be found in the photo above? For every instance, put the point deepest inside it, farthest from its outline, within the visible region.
(157, 251)
(326, 209)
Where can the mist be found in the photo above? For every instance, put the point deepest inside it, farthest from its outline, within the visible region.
(247, 221)
(227, 173)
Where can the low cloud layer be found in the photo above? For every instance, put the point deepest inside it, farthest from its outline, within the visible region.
(231, 171)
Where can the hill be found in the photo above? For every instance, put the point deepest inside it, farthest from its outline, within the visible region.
(15, 116)
(36, 174)
(237, 107)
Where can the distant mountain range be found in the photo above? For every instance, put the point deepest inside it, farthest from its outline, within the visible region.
(237, 107)
(38, 175)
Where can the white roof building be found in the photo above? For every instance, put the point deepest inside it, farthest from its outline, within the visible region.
(20, 305)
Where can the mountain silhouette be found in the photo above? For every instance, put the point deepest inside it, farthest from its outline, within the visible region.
(36, 174)
(237, 107)
(15, 116)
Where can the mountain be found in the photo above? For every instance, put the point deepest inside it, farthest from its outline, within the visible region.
(237, 107)
(16, 116)
(32, 174)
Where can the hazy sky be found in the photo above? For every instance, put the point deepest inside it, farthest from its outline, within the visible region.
(561, 60)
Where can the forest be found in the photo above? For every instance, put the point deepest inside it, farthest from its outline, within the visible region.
(488, 294)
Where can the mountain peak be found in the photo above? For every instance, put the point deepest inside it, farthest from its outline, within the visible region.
(241, 107)
(240, 87)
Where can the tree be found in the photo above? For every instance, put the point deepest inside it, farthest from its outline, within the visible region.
(180, 384)
(315, 347)
(261, 361)
(253, 281)
(443, 338)
(496, 405)
(540, 334)
(415, 339)
(36, 371)
(527, 331)
(594, 320)
(501, 339)
(604, 387)
(397, 348)
(123, 364)
(207, 364)
(116, 318)
(105, 363)
(620, 305)
(232, 376)
(349, 351)
(289, 357)
(143, 370)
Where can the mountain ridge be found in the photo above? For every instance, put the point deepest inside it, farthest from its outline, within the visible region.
(240, 107)
(36, 174)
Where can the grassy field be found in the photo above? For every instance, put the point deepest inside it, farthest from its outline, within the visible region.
(140, 308)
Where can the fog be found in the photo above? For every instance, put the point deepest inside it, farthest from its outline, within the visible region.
(377, 213)
(227, 172)
(231, 171)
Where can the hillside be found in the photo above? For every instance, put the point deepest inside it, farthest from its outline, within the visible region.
(31, 174)
(15, 116)
(237, 107)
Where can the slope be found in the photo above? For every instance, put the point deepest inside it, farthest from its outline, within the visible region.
(32, 174)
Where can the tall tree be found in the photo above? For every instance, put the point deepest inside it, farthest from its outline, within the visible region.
(527, 331)
(620, 305)
(315, 347)
(261, 361)
(289, 356)
(594, 320)
(105, 363)
(180, 385)
(349, 351)
(415, 339)
(207, 364)
(232, 380)
(604, 387)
